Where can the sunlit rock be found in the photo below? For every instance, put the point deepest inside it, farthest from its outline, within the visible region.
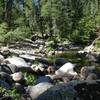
(66, 69)
(19, 62)
(35, 91)
(18, 76)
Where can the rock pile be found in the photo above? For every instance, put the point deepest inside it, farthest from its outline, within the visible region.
(56, 81)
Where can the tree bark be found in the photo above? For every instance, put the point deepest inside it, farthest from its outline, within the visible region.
(8, 11)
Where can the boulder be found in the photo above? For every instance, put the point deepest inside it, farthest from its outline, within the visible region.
(59, 92)
(5, 51)
(39, 69)
(4, 84)
(6, 77)
(28, 57)
(5, 68)
(88, 90)
(92, 76)
(73, 90)
(20, 89)
(1, 57)
(65, 70)
(88, 71)
(44, 79)
(35, 91)
(13, 68)
(50, 70)
(18, 76)
(19, 62)
(59, 62)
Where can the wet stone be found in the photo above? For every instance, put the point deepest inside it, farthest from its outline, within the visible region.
(4, 84)
(44, 79)
(6, 77)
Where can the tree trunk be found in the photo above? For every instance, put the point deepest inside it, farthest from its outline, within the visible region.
(8, 11)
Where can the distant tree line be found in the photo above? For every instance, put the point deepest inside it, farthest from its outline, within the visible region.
(75, 20)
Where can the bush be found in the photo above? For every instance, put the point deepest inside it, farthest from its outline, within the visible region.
(17, 34)
(10, 93)
(9, 36)
(84, 33)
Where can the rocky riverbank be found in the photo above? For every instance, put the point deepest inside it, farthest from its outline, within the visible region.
(45, 80)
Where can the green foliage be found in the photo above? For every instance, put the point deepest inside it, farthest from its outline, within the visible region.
(9, 36)
(85, 31)
(11, 92)
(96, 45)
(3, 29)
(30, 78)
(75, 20)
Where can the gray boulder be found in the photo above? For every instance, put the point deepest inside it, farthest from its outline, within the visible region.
(73, 90)
(88, 71)
(28, 57)
(92, 76)
(5, 51)
(6, 77)
(19, 62)
(35, 91)
(1, 57)
(13, 68)
(20, 89)
(59, 92)
(5, 68)
(44, 79)
(59, 62)
(4, 84)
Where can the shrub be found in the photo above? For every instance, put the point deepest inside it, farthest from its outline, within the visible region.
(9, 36)
(10, 93)
(84, 33)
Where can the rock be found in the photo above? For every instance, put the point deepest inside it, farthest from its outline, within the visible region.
(5, 68)
(19, 62)
(5, 51)
(6, 77)
(13, 68)
(18, 76)
(38, 89)
(39, 69)
(92, 76)
(59, 92)
(25, 97)
(88, 90)
(54, 77)
(88, 48)
(50, 70)
(28, 57)
(86, 71)
(73, 90)
(44, 79)
(60, 62)
(4, 84)
(91, 57)
(20, 89)
(1, 57)
(65, 70)
(67, 79)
